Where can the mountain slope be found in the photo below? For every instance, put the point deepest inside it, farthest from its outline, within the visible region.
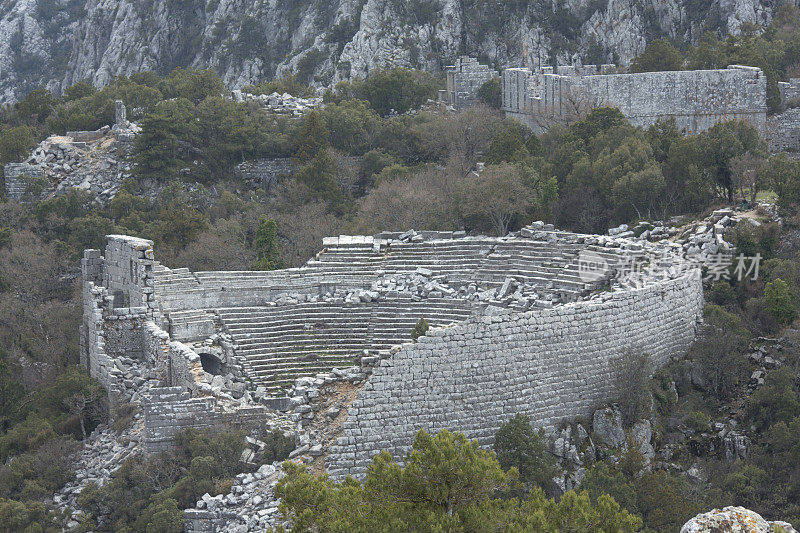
(56, 43)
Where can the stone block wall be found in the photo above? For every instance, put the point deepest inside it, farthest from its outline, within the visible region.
(184, 366)
(551, 364)
(697, 99)
(124, 347)
(517, 101)
(264, 173)
(124, 335)
(92, 266)
(175, 364)
(128, 272)
(170, 410)
(784, 131)
(156, 346)
(14, 183)
(789, 91)
(463, 81)
(92, 339)
(106, 333)
(92, 292)
(89, 136)
(118, 311)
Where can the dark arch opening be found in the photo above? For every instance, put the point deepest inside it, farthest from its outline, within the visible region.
(211, 364)
(119, 299)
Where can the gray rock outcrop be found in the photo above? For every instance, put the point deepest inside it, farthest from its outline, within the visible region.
(734, 520)
(607, 427)
(323, 41)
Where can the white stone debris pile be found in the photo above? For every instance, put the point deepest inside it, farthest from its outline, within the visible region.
(280, 104)
(94, 161)
(94, 166)
(101, 454)
(704, 240)
(734, 520)
(249, 506)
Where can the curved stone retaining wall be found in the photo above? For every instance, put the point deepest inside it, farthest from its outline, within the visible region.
(551, 364)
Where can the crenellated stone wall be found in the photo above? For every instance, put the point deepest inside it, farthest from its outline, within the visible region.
(464, 78)
(551, 364)
(697, 99)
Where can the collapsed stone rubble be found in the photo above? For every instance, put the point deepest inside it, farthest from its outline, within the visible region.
(703, 241)
(249, 506)
(280, 104)
(101, 454)
(93, 161)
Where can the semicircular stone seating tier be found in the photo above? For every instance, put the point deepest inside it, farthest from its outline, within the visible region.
(292, 323)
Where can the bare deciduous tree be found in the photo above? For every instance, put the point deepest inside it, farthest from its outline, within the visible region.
(497, 194)
(746, 174)
(576, 104)
(631, 375)
(421, 201)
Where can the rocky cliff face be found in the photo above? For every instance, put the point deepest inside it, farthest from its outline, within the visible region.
(55, 43)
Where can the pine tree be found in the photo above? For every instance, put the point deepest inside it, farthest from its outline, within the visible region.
(420, 329)
(311, 138)
(266, 244)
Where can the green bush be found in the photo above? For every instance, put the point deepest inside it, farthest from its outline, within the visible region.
(278, 446)
(780, 302)
(372, 164)
(30, 517)
(663, 390)
(286, 84)
(447, 483)
(518, 445)
(491, 93)
(698, 421)
(777, 401)
(420, 329)
(660, 55)
(266, 245)
(723, 293)
(396, 90)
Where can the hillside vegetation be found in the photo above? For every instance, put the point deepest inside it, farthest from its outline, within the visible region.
(378, 157)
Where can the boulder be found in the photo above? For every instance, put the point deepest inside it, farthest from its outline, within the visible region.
(736, 446)
(642, 434)
(607, 427)
(733, 520)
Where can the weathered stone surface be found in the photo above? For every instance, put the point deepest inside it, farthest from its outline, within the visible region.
(733, 520)
(542, 98)
(642, 435)
(784, 131)
(607, 427)
(464, 78)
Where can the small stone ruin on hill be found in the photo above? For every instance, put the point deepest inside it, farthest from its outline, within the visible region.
(93, 161)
